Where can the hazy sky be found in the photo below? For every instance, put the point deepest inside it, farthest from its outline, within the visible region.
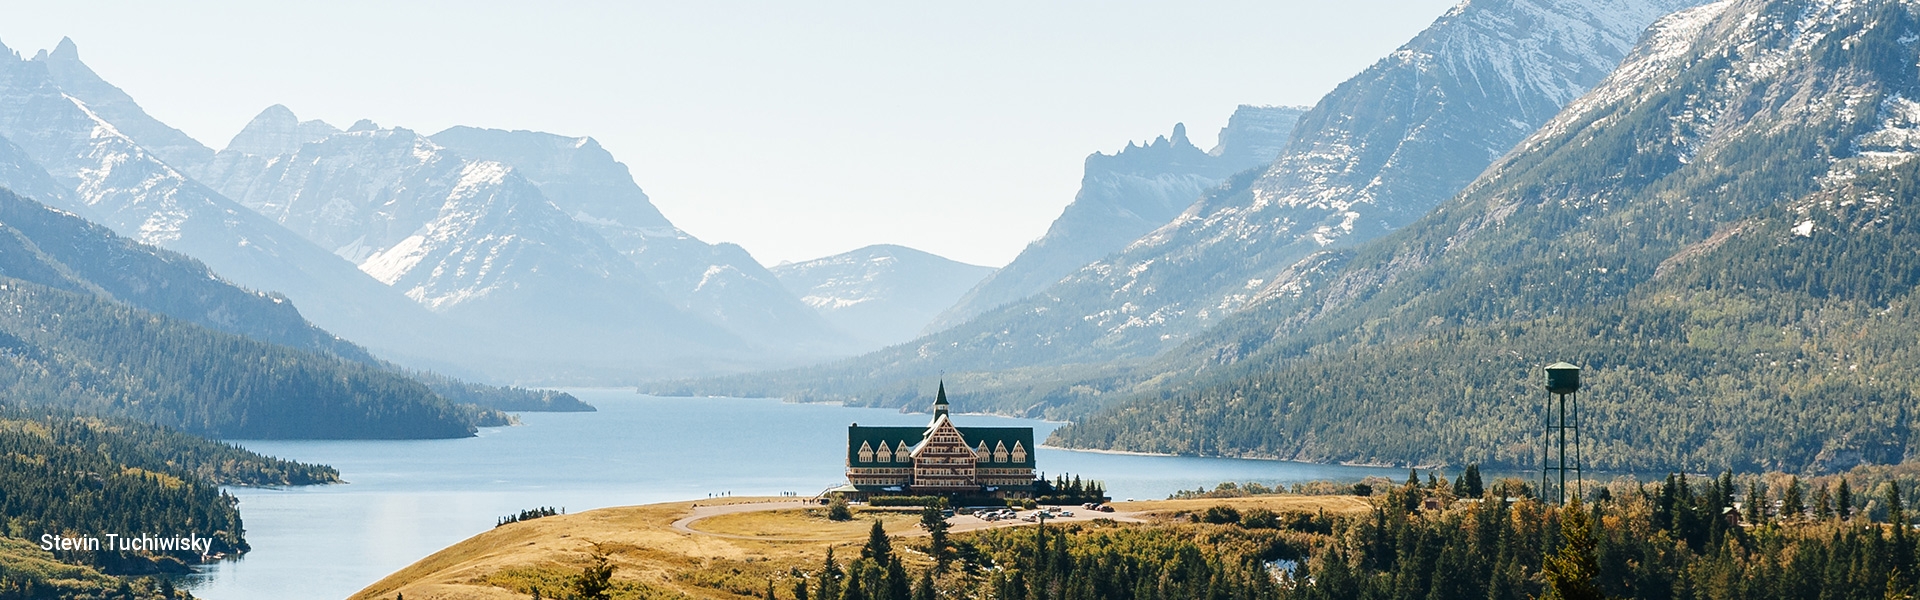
(794, 129)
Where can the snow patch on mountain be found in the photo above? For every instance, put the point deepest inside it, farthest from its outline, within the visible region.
(883, 294)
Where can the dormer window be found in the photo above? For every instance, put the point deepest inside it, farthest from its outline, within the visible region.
(866, 452)
(903, 452)
(982, 452)
(1000, 452)
(884, 455)
(1019, 453)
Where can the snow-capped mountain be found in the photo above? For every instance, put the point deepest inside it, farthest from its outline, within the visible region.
(114, 106)
(110, 179)
(884, 294)
(1722, 231)
(1125, 195)
(1378, 151)
(469, 239)
(719, 282)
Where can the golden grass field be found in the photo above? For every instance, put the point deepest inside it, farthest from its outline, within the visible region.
(719, 556)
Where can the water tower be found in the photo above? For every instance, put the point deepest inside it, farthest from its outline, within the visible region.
(1563, 384)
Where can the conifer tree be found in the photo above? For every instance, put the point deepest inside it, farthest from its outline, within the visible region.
(878, 548)
(1843, 500)
(799, 589)
(1896, 509)
(595, 581)
(1823, 504)
(923, 589)
(1469, 484)
(1571, 573)
(898, 588)
(938, 545)
(830, 576)
(1756, 504)
(1793, 505)
(855, 584)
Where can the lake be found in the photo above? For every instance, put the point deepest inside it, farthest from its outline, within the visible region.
(407, 499)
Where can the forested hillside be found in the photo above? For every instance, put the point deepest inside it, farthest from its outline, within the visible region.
(58, 249)
(61, 250)
(66, 474)
(59, 349)
(1721, 234)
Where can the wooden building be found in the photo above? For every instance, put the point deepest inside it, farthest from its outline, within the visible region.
(941, 458)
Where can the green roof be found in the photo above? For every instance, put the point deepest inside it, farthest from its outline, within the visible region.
(993, 436)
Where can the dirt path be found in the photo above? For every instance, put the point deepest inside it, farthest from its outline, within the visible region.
(960, 523)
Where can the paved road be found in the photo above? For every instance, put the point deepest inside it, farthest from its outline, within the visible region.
(960, 523)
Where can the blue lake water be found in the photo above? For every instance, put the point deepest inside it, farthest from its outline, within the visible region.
(407, 499)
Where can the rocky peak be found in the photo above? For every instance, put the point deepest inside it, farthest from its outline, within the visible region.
(277, 131)
(113, 105)
(576, 173)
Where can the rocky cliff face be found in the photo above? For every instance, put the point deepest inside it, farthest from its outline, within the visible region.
(882, 294)
(1125, 195)
(718, 282)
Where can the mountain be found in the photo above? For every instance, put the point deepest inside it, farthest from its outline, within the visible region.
(468, 239)
(115, 107)
(57, 249)
(60, 250)
(1381, 149)
(109, 178)
(1126, 195)
(1720, 234)
(719, 282)
(883, 294)
(79, 352)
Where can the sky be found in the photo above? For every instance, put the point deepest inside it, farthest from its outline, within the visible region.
(797, 130)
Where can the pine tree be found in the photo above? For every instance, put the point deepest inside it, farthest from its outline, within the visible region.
(830, 576)
(898, 588)
(799, 589)
(594, 582)
(1823, 504)
(1571, 574)
(938, 547)
(923, 589)
(1756, 504)
(878, 548)
(1469, 484)
(1843, 500)
(1896, 509)
(1792, 503)
(855, 583)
